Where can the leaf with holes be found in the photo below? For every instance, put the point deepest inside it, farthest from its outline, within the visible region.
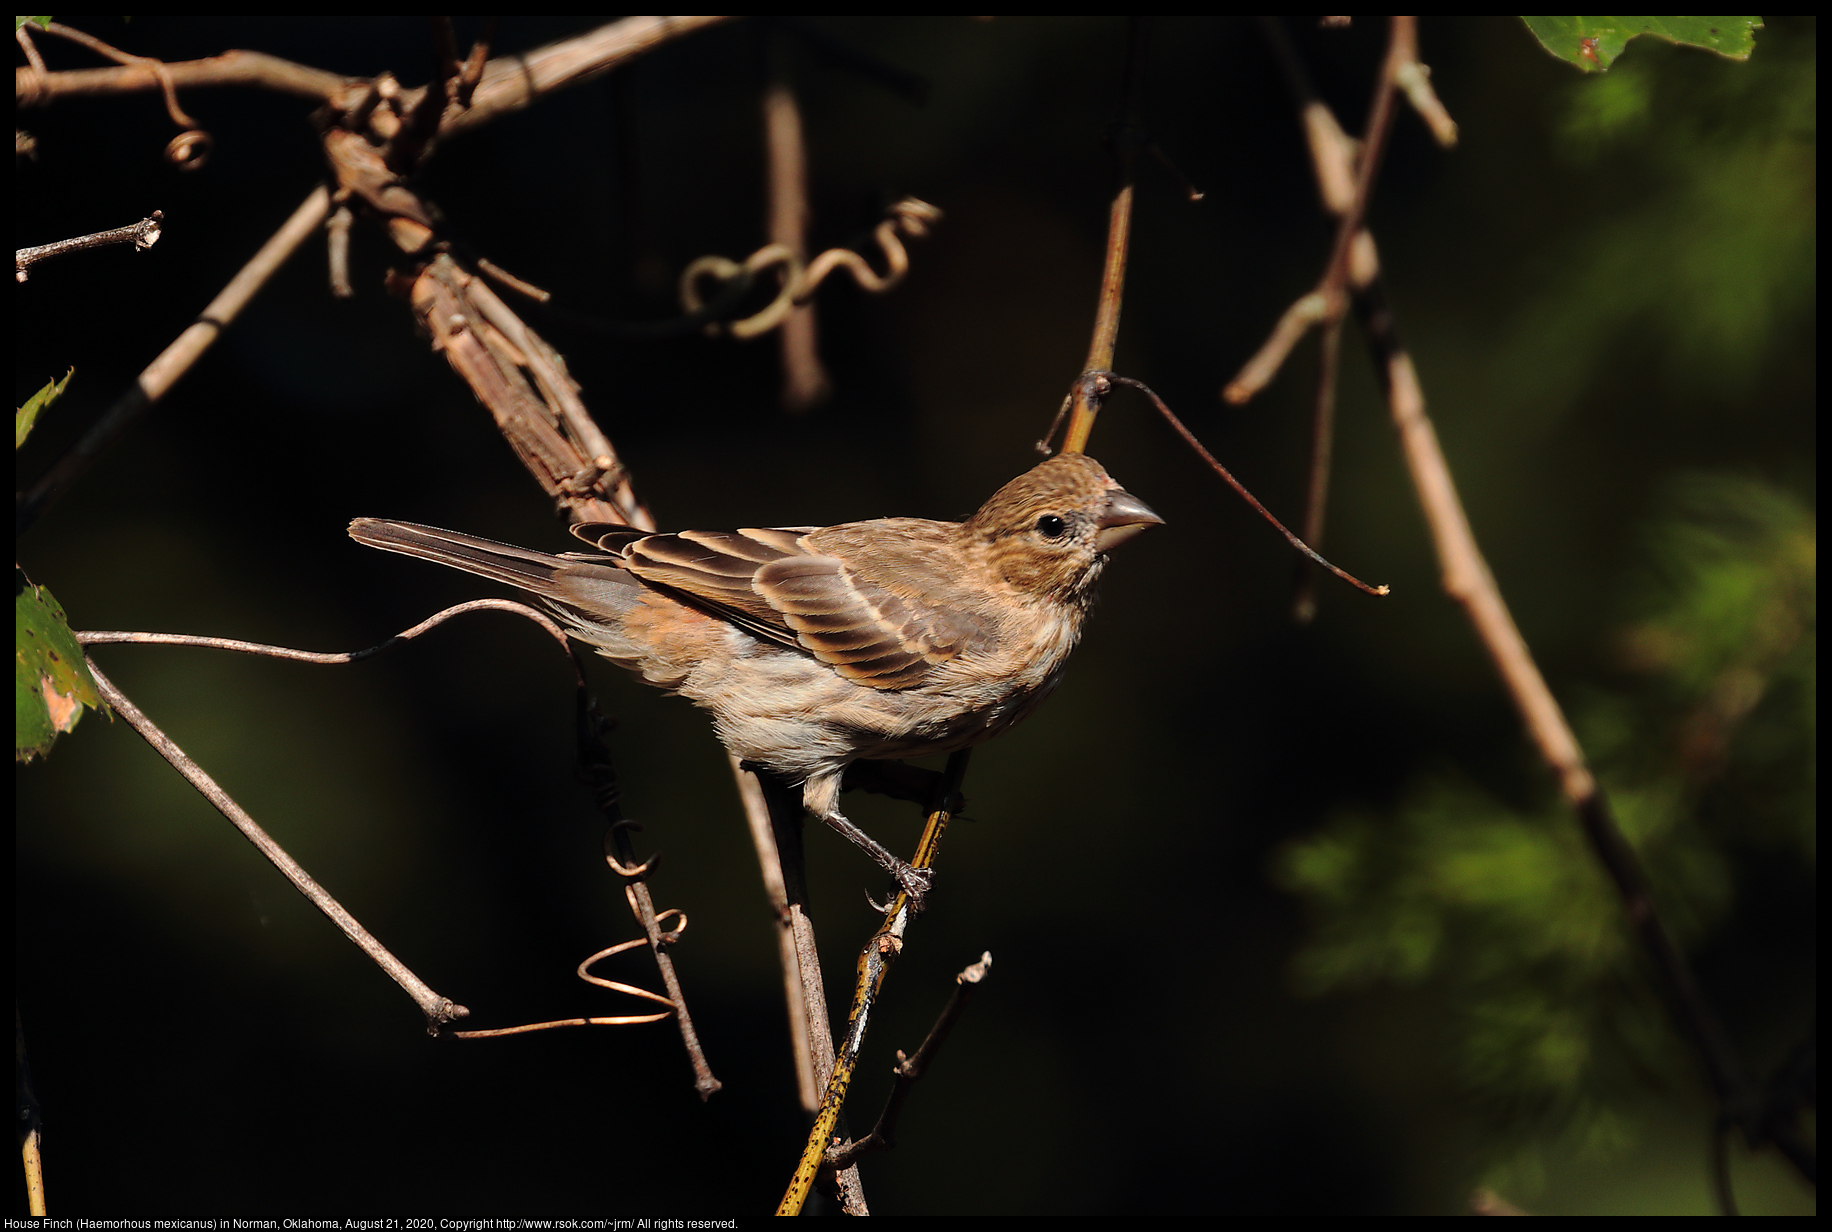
(1593, 43)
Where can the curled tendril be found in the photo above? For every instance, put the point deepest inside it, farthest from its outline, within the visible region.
(909, 216)
(190, 149)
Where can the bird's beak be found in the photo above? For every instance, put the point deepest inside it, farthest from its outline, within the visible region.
(1125, 517)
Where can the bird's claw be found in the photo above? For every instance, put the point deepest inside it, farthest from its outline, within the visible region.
(915, 882)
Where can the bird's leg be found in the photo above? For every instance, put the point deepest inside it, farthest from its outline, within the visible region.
(820, 795)
(915, 881)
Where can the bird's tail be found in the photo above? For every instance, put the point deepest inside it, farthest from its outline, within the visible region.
(586, 589)
(500, 562)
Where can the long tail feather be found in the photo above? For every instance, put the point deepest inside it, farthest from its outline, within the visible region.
(500, 562)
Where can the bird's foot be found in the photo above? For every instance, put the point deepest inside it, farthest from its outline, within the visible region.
(915, 882)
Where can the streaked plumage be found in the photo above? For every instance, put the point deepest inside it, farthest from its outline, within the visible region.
(814, 647)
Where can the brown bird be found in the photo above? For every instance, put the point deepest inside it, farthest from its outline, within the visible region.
(814, 647)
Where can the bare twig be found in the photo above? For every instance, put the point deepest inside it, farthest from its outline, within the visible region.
(1322, 445)
(874, 965)
(775, 888)
(22, 36)
(1329, 299)
(157, 67)
(515, 82)
(508, 83)
(784, 806)
(142, 235)
(106, 637)
(595, 762)
(471, 72)
(1467, 579)
(1189, 438)
(231, 68)
(543, 419)
(596, 768)
(28, 1117)
(1333, 159)
(909, 1069)
(1415, 79)
(445, 46)
(176, 359)
(805, 383)
(1085, 403)
(437, 1009)
(337, 251)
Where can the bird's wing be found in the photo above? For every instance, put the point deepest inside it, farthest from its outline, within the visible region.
(710, 569)
(864, 631)
(770, 583)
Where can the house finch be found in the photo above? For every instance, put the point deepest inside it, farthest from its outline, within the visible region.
(812, 648)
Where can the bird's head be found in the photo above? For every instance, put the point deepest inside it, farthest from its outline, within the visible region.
(1048, 531)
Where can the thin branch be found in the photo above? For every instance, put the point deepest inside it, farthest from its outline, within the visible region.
(28, 1117)
(337, 251)
(231, 68)
(1322, 446)
(1415, 79)
(1467, 579)
(142, 235)
(1329, 299)
(157, 67)
(785, 811)
(775, 888)
(805, 383)
(1333, 160)
(471, 72)
(543, 419)
(516, 82)
(596, 768)
(89, 637)
(909, 1070)
(1086, 398)
(437, 1009)
(874, 965)
(176, 359)
(1189, 438)
(22, 35)
(445, 46)
(594, 762)
(509, 83)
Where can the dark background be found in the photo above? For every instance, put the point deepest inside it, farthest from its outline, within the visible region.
(203, 1040)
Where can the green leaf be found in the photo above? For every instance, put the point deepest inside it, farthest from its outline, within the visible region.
(40, 22)
(51, 683)
(1593, 43)
(27, 415)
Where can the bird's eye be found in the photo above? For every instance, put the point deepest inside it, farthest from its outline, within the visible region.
(1052, 526)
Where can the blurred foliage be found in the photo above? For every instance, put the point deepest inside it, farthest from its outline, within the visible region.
(1593, 43)
(26, 416)
(1715, 258)
(1705, 748)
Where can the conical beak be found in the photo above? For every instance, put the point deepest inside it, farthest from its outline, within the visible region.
(1126, 516)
